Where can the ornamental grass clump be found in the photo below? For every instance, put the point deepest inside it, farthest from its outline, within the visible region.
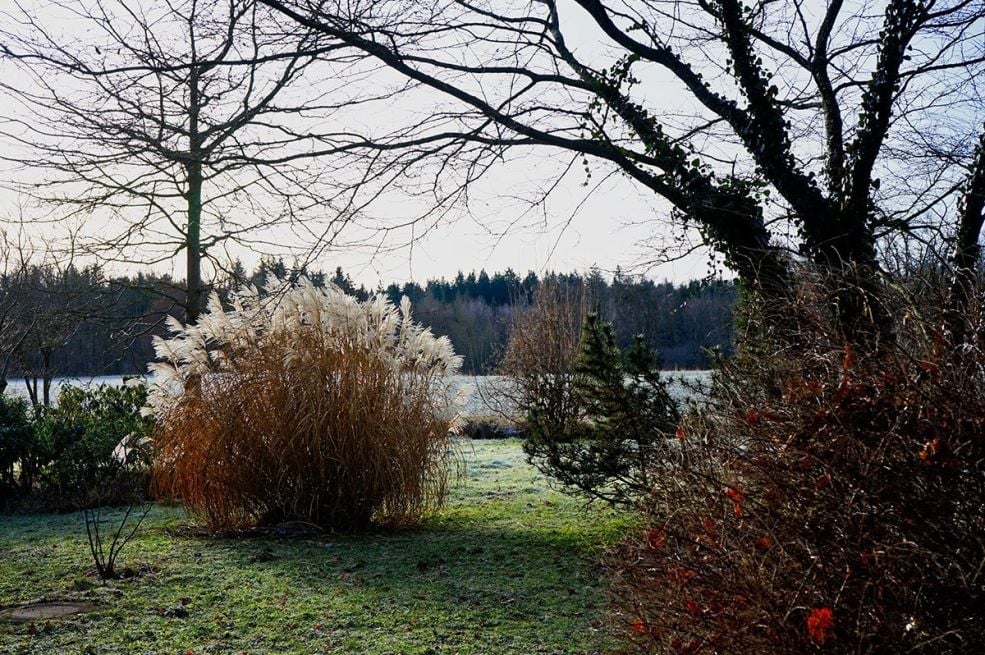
(303, 405)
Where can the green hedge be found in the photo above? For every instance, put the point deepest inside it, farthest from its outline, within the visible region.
(65, 455)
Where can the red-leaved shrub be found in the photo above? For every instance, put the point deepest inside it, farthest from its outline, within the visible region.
(827, 500)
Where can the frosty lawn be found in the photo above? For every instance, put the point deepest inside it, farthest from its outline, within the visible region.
(509, 566)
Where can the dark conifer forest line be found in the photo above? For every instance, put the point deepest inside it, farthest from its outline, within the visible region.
(78, 322)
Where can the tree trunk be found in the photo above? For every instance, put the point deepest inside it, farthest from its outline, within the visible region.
(193, 231)
(862, 316)
(193, 275)
(46, 375)
(31, 382)
(966, 257)
(846, 255)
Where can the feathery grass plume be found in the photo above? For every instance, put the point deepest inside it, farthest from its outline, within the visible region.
(304, 404)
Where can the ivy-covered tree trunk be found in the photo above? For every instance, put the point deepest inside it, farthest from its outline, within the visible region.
(966, 257)
(780, 149)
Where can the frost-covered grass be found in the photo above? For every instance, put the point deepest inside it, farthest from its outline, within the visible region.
(509, 566)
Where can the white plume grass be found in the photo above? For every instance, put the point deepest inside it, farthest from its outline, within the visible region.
(304, 404)
(250, 321)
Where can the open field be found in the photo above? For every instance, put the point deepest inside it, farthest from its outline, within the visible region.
(481, 397)
(509, 566)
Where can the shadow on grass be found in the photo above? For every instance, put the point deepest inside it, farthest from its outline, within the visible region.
(509, 566)
(506, 581)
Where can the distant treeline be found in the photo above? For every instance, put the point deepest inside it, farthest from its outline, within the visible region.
(681, 322)
(107, 325)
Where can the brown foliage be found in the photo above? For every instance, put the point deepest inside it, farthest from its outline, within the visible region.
(828, 501)
(331, 435)
(539, 360)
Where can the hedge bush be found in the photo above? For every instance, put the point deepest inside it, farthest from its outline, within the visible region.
(79, 436)
(17, 444)
(831, 500)
(70, 455)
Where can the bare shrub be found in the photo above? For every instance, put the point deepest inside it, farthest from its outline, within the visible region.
(540, 357)
(109, 533)
(829, 500)
(306, 406)
(489, 427)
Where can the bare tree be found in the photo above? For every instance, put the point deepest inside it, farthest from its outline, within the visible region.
(164, 127)
(45, 298)
(14, 329)
(777, 130)
(57, 299)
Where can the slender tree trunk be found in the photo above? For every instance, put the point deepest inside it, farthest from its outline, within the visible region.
(193, 275)
(31, 382)
(193, 233)
(46, 374)
(966, 257)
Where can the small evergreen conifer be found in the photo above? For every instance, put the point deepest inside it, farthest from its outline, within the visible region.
(626, 417)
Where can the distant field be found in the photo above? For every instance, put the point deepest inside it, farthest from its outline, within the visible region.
(508, 567)
(481, 401)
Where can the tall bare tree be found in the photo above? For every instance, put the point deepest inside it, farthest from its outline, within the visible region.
(14, 329)
(183, 125)
(778, 130)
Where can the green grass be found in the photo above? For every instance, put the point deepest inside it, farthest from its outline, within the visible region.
(509, 566)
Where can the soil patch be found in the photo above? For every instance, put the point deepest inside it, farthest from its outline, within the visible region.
(50, 610)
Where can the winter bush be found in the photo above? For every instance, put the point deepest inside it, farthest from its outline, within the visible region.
(489, 427)
(17, 445)
(75, 453)
(829, 500)
(539, 361)
(79, 441)
(304, 404)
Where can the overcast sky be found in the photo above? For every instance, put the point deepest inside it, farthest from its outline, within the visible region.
(606, 223)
